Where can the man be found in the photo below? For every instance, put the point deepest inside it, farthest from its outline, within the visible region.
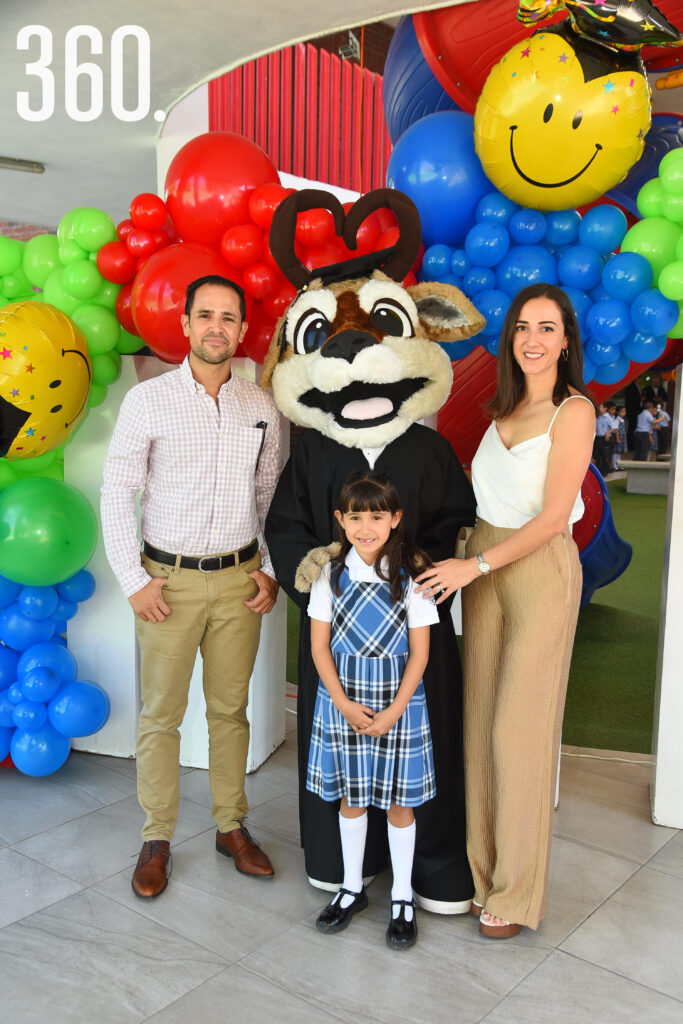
(605, 433)
(203, 445)
(646, 423)
(656, 390)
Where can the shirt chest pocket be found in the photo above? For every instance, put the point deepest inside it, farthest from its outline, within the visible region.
(243, 450)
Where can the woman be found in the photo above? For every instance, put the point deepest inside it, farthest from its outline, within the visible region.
(522, 585)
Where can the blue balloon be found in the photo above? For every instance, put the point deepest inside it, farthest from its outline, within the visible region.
(57, 639)
(9, 591)
(527, 227)
(603, 228)
(496, 207)
(59, 627)
(486, 244)
(581, 303)
(491, 343)
(29, 714)
(588, 368)
(599, 293)
(39, 752)
(49, 655)
(65, 610)
(477, 279)
(524, 265)
(644, 348)
(435, 164)
(602, 353)
(614, 372)
(580, 267)
(15, 693)
(79, 709)
(79, 587)
(19, 632)
(6, 709)
(460, 263)
(436, 262)
(5, 737)
(8, 666)
(562, 227)
(652, 313)
(626, 275)
(451, 279)
(609, 321)
(40, 684)
(493, 304)
(456, 350)
(38, 602)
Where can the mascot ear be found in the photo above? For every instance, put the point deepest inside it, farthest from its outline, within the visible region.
(445, 313)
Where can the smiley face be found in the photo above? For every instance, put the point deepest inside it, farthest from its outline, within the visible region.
(45, 376)
(551, 132)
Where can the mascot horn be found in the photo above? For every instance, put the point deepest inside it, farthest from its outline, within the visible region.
(354, 361)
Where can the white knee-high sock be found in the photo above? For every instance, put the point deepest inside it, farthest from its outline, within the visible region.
(402, 850)
(353, 832)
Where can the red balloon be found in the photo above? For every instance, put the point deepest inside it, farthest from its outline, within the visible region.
(242, 245)
(276, 304)
(116, 263)
(158, 298)
(322, 256)
(209, 183)
(160, 238)
(259, 281)
(141, 243)
(409, 279)
(124, 229)
(386, 218)
(169, 228)
(123, 311)
(148, 211)
(387, 239)
(257, 339)
(367, 235)
(314, 228)
(264, 201)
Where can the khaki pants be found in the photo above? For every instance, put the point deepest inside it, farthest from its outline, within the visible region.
(208, 613)
(518, 632)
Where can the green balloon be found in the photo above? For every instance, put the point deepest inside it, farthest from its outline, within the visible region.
(82, 279)
(7, 473)
(70, 251)
(670, 281)
(36, 464)
(672, 207)
(4, 301)
(10, 255)
(40, 258)
(106, 296)
(671, 177)
(650, 199)
(56, 294)
(65, 226)
(98, 393)
(105, 368)
(100, 326)
(655, 238)
(16, 284)
(674, 156)
(47, 531)
(92, 228)
(128, 343)
(677, 329)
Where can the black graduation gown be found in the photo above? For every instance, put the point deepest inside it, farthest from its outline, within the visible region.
(437, 500)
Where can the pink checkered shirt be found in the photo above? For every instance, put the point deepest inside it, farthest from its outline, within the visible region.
(196, 464)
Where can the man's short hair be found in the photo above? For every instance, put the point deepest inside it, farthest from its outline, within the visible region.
(223, 282)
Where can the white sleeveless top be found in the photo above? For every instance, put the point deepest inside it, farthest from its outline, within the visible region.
(509, 483)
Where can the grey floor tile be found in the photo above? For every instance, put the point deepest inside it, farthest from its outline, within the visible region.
(195, 786)
(122, 765)
(670, 857)
(637, 933)
(82, 773)
(251, 999)
(26, 886)
(280, 771)
(90, 959)
(563, 990)
(279, 816)
(30, 806)
(103, 842)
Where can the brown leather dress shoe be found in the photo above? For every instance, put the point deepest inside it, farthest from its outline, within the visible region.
(248, 856)
(150, 877)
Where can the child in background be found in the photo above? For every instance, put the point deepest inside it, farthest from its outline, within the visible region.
(371, 743)
(621, 446)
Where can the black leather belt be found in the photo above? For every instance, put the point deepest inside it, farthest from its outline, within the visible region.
(207, 563)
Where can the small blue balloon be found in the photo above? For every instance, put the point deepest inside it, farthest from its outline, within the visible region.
(527, 227)
(38, 602)
(58, 639)
(603, 228)
(40, 684)
(524, 265)
(644, 348)
(580, 267)
(599, 293)
(581, 303)
(493, 305)
(39, 752)
(65, 609)
(652, 313)
(477, 279)
(9, 591)
(491, 343)
(451, 279)
(5, 737)
(562, 227)
(436, 262)
(49, 655)
(8, 666)
(29, 714)
(602, 353)
(79, 709)
(6, 709)
(588, 368)
(15, 693)
(19, 632)
(626, 275)
(486, 244)
(496, 207)
(609, 321)
(612, 373)
(456, 350)
(460, 262)
(58, 627)
(79, 587)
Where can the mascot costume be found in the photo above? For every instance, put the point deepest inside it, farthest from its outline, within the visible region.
(354, 361)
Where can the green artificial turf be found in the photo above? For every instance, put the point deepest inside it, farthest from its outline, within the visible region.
(610, 698)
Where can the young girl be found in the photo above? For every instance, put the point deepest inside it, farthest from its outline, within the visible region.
(371, 742)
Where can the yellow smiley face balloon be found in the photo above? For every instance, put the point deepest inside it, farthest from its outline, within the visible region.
(45, 375)
(560, 120)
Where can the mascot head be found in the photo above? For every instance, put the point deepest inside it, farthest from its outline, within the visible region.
(352, 355)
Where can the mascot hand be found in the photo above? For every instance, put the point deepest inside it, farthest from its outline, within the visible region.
(312, 565)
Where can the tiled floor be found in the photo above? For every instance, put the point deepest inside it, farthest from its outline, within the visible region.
(77, 946)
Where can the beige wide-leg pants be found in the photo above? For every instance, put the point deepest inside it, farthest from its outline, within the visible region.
(208, 613)
(518, 632)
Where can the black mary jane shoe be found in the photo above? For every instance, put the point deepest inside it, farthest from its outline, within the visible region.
(335, 918)
(402, 934)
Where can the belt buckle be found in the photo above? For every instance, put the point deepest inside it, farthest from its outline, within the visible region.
(204, 559)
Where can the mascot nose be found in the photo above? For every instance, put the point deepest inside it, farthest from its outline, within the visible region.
(347, 345)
